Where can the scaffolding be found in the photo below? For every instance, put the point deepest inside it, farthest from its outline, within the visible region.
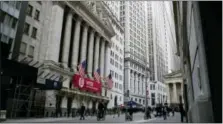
(23, 102)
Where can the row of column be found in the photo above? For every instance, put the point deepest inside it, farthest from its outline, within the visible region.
(175, 93)
(137, 84)
(93, 53)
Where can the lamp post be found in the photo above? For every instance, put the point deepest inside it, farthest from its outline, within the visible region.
(146, 87)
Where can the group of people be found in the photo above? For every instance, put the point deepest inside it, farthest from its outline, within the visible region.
(100, 112)
(165, 111)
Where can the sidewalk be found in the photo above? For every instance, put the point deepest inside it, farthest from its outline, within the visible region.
(36, 120)
(46, 120)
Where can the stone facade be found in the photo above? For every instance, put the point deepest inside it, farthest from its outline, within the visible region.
(67, 34)
(193, 61)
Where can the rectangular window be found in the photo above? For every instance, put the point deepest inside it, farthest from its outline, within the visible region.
(7, 20)
(14, 22)
(30, 10)
(39, 2)
(18, 3)
(4, 38)
(31, 51)
(23, 48)
(2, 16)
(37, 15)
(34, 32)
(26, 28)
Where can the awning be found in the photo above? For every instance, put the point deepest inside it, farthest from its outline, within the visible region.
(84, 94)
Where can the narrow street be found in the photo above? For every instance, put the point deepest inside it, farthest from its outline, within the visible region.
(138, 118)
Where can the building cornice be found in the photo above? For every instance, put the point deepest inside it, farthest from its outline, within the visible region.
(136, 62)
(81, 9)
(112, 16)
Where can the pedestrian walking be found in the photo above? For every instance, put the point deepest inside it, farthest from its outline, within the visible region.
(101, 109)
(82, 111)
(173, 111)
(181, 112)
(164, 113)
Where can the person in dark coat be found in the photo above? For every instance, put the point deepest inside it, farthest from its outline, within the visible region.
(82, 110)
(101, 109)
(181, 112)
(173, 111)
(149, 112)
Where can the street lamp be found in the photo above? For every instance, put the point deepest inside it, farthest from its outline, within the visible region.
(146, 87)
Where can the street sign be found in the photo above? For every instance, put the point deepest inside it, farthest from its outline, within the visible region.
(41, 80)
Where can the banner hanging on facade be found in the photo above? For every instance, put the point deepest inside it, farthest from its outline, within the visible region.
(86, 84)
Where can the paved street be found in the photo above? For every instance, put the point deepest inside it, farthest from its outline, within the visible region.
(138, 117)
(170, 119)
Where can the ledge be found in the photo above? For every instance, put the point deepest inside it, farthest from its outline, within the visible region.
(91, 19)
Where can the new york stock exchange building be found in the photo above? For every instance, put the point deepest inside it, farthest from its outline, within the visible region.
(76, 34)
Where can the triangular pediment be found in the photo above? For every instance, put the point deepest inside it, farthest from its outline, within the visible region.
(173, 74)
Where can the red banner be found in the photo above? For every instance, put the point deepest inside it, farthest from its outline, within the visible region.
(86, 84)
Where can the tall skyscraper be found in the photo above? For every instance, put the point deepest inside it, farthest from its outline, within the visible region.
(162, 47)
(116, 57)
(133, 19)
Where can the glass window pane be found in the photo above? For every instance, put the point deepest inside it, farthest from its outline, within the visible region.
(23, 48)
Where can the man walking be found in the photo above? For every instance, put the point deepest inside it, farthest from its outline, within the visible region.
(82, 110)
(181, 112)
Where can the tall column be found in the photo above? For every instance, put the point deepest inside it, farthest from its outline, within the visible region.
(102, 58)
(96, 53)
(107, 60)
(136, 85)
(142, 85)
(66, 40)
(76, 40)
(132, 82)
(84, 43)
(182, 93)
(56, 22)
(174, 93)
(169, 93)
(90, 53)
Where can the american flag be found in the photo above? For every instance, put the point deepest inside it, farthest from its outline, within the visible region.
(97, 75)
(109, 81)
(82, 67)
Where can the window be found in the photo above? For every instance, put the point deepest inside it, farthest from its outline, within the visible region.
(112, 61)
(14, 21)
(116, 64)
(2, 16)
(29, 10)
(26, 28)
(37, 15)
(7, 20)
(120, 67)
(120, 98)
(18, 5)
(4, 38)
(39, 2)
(10, 41)
(34, 32)
(23, 48)
(31, 51)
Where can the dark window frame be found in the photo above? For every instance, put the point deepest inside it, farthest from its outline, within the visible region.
(25, 29)
(36, 16)
(34, 32)
(29, 13)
